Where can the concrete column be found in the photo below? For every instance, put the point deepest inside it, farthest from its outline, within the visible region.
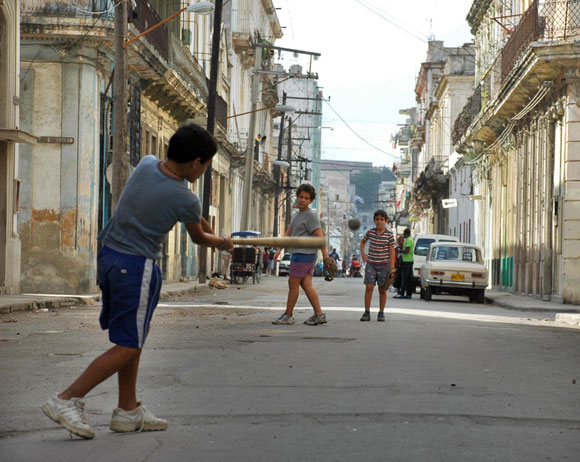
(570, 280)
(9, 114)
(60, 196)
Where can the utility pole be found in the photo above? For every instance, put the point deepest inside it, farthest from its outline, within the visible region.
(277, 168)
(211, 102)
(328, 217)
(119, 162)
(249, 168)
(289, 173)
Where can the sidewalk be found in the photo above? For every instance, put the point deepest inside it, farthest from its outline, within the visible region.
(569, 314)
(30, 302)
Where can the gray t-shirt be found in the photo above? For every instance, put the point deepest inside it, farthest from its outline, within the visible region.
(151, 203)
(304, 224)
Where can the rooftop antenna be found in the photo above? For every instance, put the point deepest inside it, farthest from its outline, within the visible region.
(431, 34)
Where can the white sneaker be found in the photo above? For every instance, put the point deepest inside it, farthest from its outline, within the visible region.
(284, 319)
(70, 414)
(316, 319)
(139, 419)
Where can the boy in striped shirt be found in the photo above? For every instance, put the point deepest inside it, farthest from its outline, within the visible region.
(379, 261)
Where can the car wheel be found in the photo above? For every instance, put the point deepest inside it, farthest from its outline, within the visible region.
(422, 294)
(428, 294)
(480, 295)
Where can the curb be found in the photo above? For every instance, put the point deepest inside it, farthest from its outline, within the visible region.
(34, 305)
(510, 306)
(568, 318)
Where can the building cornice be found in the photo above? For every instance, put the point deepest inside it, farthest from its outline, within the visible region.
(477, 13)
(540, 63)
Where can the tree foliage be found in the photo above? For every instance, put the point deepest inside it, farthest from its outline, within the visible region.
(367, 184)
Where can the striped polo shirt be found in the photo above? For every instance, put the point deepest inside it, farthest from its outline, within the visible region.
(379, 246)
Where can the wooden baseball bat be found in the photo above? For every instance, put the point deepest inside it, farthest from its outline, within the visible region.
(285, 241)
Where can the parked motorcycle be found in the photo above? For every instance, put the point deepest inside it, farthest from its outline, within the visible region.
(355, 268)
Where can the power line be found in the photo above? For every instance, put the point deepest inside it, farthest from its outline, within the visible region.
(359, 136)
(382, 15)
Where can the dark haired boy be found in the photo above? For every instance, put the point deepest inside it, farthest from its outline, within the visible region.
(304, 223)
(407, 282)
(154, 199)
(380, 260)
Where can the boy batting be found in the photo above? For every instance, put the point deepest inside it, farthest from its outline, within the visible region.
(153, 201)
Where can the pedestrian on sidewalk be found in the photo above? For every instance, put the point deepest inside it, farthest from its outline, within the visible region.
(397, 284)
(153, 201)
(226, 257)
(380, 261)
(334, 254)
(407, 283)
(266, 260)
(304, 223)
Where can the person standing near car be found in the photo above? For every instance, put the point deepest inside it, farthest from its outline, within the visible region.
(399, 265)
(407, 284)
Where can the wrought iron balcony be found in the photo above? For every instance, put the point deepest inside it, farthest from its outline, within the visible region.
(544, 20)
(467, 115)
(145, 16)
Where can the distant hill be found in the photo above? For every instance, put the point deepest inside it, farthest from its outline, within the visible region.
(367, 185)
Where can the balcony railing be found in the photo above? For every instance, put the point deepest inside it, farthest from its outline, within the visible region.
(544, 20)
(560, 18)
(144, 17)
(467, 115)
(241, 21)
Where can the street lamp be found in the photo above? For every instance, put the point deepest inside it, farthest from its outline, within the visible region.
(281, 163)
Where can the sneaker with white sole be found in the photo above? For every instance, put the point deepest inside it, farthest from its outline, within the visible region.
(70, 413)
(136, 420)
(316, 319)
(284, 319)
(366, 316)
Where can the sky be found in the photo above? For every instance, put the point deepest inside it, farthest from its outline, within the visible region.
(368, 65)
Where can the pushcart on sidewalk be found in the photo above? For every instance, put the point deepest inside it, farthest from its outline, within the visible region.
(245, 260)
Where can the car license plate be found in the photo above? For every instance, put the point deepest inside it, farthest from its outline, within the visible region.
(457, 277)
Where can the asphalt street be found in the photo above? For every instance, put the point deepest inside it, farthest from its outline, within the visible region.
(440, 381)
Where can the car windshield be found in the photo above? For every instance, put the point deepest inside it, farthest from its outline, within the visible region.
(422, 246)
(445, 252)
(455, 253)
(286, 257)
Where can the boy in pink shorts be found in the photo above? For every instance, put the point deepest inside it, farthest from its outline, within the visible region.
(304, 223)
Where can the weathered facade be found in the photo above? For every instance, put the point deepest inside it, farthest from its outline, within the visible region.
(11, 136)
(521, 134)
(67, 64)
(248, 24)
(444, 83)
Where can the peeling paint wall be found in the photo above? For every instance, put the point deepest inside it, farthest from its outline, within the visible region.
(58, 220)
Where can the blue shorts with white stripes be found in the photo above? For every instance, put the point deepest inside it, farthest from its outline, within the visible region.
(131, 285)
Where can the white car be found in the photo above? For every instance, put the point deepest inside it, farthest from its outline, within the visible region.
(284, 265)
(456, 269)
(422, 243)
